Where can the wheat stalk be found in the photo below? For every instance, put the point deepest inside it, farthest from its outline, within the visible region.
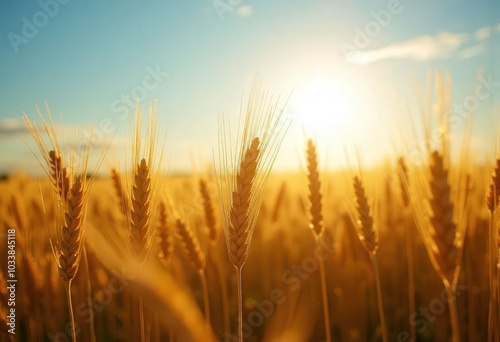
(208, 209)
(71, 198)
(70, 247)
(404, 185)
(316, 223)
(403, 182)
(242, 177)
(367, 233)
(120, 193)
(212, 255)
(441, 217)
(492, 203)
(445, 251)
(197, 260)
(190, 246)
(369, 239)
(494, 188)
(164, 238)
(143, 192)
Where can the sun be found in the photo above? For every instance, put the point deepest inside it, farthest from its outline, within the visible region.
(322, 103)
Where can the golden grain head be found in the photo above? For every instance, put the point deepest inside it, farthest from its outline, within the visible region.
(209, 212)
(494, 189)
(190, 246)
(403, 182)
(315, 197)
(442, 217)
(69, 249)
(242, 176)
(164, 236)
(367, 233)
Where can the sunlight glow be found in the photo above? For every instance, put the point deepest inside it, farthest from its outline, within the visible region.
(322, 103)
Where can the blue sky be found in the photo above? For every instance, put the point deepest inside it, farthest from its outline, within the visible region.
(85, 57)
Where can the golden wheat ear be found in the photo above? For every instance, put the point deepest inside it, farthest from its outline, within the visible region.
(140, 212)
(164, 237)
(317, 225)
(403, 182)
(242, 176)
(315, 195)
(494, 189)
(444, 228)
(367, 233)
(209, 211)
(190, 246)
(239, 225)
(242, 173)
(72, 234)
(59, 174)
(119, 192)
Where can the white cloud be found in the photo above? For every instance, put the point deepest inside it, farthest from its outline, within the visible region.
(12, 126)
(244, 11)
(472, 51)
(498, 27)
(421, 48)
(483, 33)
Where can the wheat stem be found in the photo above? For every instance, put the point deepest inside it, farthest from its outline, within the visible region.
(452, 304)
(405, 199)
(316, 223)
(369, 239)
(240, 304)
(89, 292)
(206, 298)
(492, 203)
(141, 318)
(380, 305)
(446, 251)
(411, 273)
(492, 266)
(70, 308)
(324, 294)
(216, 262)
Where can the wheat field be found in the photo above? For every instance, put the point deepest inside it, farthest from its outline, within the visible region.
(399, 252)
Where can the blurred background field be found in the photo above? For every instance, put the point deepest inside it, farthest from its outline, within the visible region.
(282, 241)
